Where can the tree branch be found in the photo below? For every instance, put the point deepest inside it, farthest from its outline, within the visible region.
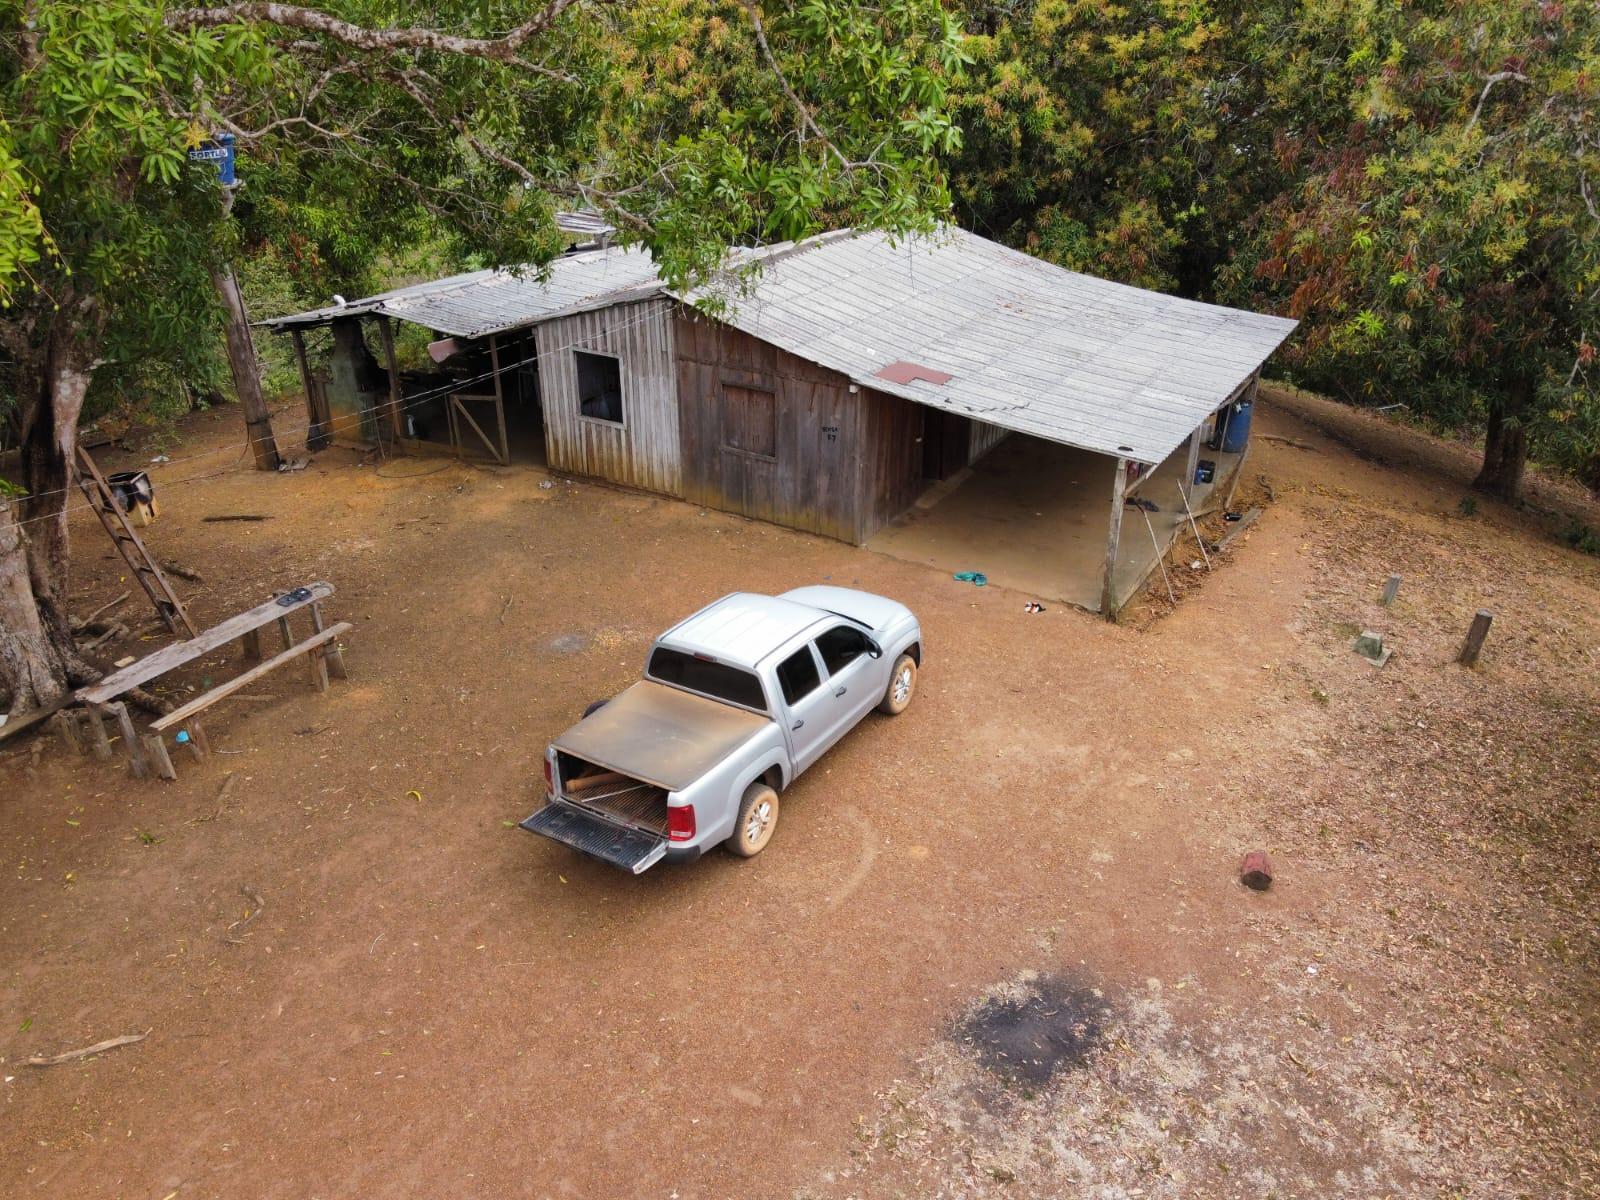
(309, 20)
(1497, 77)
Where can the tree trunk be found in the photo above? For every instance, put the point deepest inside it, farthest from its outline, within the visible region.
(39, 659)
(246, 373)
(29, 667)
(1505, 443)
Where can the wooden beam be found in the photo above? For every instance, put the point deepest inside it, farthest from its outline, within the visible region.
(175, 655)
(499, 400)
(386, 335)
(206, 699)
(1119, 491)
(1193, 462)
(317, 435)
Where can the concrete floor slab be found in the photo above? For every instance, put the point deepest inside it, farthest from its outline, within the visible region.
(1035, 516)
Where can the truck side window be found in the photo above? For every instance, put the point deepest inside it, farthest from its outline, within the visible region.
(797, 675)
(841, 646)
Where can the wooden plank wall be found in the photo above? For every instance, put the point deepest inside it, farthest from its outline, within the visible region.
(985, 437)
(891, 469)
(644, 451)
(813, 480)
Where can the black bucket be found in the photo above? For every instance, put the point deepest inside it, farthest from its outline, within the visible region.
(133, 490)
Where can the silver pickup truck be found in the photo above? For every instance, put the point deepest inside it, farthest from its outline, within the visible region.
(735, 703)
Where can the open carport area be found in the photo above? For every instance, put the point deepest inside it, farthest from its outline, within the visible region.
(1037, 516)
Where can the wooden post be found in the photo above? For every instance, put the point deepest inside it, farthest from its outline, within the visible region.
(386, 335)
(1478, 630)
(155, 748)
(319, 668)
(130, 740)
(499, 399)
(1119, 491)
(99, 743)
(242, 359)
(1391, 589)
(1193, 462)
(317, 435)
(251, 644)
(335, 656)
(67, 731)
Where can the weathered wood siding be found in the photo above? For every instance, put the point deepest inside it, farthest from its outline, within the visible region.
(985, 437)
(812, 481)
(644, 450)
(892, 462)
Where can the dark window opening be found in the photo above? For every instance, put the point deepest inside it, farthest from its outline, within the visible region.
(714, 679)
(599, 386)
(797, 675)
(841, 646)
(750, 421)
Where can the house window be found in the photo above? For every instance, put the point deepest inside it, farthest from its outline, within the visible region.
(599, 386)
(750, 421)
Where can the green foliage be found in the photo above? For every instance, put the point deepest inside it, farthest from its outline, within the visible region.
(669, 116)
(1104, 136)
(1439, 240)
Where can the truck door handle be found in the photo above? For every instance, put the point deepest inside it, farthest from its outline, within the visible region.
(798, 725)
(841, 691)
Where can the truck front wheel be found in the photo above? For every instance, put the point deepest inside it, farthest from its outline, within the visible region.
(902, 683)
(758, 817)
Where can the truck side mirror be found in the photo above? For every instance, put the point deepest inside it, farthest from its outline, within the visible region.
(873, 649)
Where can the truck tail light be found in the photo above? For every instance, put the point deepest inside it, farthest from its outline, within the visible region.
(549, 777)
(680, 822)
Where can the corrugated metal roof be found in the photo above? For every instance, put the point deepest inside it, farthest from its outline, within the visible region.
(483, 302)
(1028, 346)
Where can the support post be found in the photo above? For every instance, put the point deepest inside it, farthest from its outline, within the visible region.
(1476, 633)
(390, 364)
(1192, 463)
(242, 360)
(499, 399)
(317, 435)
(130, 740)
(1119, 491)
(99, 743)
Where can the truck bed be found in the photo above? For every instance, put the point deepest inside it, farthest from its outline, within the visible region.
(631, 802)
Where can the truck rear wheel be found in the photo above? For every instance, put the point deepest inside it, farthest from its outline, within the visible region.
(758, 817)
(902, 684)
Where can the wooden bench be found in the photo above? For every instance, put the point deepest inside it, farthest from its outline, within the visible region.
(102, 700)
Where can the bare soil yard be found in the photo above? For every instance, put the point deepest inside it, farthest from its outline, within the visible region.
(998, 946)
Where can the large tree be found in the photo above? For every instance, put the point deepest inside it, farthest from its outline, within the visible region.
(693, 124)
(1441, 242)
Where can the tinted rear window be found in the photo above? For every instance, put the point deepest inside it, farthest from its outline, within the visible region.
(733, 684)
(797, 675)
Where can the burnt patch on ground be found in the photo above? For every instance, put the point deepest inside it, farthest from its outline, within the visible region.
(1028, 1031)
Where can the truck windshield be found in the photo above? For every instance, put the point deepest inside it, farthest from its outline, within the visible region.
(714, 679)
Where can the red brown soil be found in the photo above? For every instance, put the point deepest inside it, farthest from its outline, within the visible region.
(431, 1002)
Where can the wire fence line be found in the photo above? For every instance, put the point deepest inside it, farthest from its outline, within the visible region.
(247, 443)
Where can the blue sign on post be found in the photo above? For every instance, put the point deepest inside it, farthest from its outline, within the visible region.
(219, 151)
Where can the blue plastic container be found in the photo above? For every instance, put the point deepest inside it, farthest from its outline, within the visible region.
(1233, 427)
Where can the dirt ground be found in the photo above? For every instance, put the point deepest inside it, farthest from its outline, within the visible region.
(998, 946)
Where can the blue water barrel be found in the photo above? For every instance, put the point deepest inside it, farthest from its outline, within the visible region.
(1233, 427)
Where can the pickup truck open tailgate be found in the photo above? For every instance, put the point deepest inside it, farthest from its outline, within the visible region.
(634, 850)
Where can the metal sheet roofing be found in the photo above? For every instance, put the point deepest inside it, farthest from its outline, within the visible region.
(483, 302)
(1027, 345)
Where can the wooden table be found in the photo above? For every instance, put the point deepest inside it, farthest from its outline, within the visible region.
(102, 700)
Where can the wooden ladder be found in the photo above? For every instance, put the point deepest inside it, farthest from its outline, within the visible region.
(104, 502)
